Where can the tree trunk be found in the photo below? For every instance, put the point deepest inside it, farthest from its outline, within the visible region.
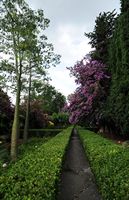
(15, 127)
(27, 111)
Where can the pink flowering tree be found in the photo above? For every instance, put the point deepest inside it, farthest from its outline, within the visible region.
(86, 104)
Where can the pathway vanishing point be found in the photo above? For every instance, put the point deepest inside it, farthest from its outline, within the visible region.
(77, 180)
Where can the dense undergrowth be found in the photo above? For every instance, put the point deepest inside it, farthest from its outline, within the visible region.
(35, 175)
(110, 164)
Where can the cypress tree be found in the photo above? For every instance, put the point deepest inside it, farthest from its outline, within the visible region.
(118, 100)
(100, 37)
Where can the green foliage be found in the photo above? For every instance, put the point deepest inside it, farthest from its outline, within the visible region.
(117, 102)
(110, 40)
(100, 37)
(36, 174)
(52, 100)
(60, 118)
(27, 54)
(110, 164)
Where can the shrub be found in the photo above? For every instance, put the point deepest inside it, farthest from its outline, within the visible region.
(35, 175)
(60, 119)
(110, 164)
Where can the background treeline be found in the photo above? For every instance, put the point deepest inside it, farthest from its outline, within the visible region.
(111, 42)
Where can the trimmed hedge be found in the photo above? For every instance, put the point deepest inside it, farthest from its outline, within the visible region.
(34, 177)
(110, 164)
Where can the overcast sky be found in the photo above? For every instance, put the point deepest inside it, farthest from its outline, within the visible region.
(69, 19)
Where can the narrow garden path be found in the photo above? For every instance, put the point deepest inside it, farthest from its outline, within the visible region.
(77, 180)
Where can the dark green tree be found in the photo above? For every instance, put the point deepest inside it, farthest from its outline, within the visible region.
(117, 103)
(100, 37)
(53, 100)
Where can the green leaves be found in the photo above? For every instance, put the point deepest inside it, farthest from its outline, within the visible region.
(35, 175)
(110, 164)
(100, 37)
(118, 104)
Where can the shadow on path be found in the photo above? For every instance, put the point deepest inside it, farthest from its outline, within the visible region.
(77, 180)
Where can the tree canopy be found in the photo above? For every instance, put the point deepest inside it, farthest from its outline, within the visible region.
(101, 35)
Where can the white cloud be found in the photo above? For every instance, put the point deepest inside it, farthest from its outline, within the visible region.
(71, 43)
(73, 46)
(61, 80)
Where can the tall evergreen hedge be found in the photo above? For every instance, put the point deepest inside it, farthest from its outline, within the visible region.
(117, 108)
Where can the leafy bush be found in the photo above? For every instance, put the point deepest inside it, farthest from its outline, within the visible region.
(110, 164)
(35, 175)
(60, 119)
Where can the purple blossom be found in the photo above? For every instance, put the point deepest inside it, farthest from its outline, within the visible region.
(89, 74)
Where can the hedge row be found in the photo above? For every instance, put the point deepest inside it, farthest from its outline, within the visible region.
(35, 175)
(110, 164)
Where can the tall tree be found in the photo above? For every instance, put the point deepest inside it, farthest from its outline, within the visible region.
(100, 37)
(117, 104)
(52, 99)
(11, 28)
(16, 23)
(42, 58)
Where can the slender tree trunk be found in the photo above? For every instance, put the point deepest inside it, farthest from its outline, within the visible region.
(15, 127)
(25, 137)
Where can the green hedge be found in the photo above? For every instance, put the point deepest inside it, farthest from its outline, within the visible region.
(110, 164)
(34, 176)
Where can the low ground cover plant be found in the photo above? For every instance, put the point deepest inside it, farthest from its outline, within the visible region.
(35, 175)
(109, 163)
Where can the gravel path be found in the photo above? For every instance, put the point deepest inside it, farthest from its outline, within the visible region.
(77, 180)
